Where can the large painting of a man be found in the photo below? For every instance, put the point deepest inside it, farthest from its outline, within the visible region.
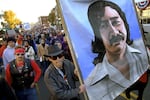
(121, 60)
(111, 38)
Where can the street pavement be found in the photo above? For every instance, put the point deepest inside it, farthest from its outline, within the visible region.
(42, 90)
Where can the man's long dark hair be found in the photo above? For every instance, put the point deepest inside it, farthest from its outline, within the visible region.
(95, 12)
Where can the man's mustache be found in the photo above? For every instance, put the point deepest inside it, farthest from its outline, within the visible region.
(116, 38)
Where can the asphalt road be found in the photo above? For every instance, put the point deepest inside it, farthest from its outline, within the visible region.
(42, 90)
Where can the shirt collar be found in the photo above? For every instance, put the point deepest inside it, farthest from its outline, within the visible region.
(131, 49)
(59, 71)
(116, 75)
(97, 74)
(104, 69)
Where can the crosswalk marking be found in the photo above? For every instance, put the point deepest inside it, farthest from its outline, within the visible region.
(133, 96)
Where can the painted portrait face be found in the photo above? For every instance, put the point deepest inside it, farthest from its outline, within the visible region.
(113, 31)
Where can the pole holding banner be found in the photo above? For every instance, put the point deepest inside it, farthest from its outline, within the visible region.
(71, 48)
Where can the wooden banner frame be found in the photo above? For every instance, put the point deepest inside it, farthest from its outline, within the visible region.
(81, 81)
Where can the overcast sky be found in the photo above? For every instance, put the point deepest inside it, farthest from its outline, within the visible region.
(28, 10)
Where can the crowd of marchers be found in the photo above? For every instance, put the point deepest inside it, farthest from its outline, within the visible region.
(26, 56)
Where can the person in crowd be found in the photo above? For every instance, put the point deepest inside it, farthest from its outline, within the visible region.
(43, 37)
(29, 51)
(60, 77)
(139, 85)
(8, 54)
(122, 60)
(58, 43)
(60, 35)
(43, 50)
(53, 37)
(66, 49)
(2, 48)
(22, 75)
(19, 40)
(32, 42)
(6, 93)
(62, 44)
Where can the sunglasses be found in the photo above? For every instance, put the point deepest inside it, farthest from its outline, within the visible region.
(55, 57)
(20, 54)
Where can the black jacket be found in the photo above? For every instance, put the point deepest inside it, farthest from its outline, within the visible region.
(59, 89)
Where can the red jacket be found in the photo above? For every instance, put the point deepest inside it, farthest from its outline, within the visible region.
(2, 49)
